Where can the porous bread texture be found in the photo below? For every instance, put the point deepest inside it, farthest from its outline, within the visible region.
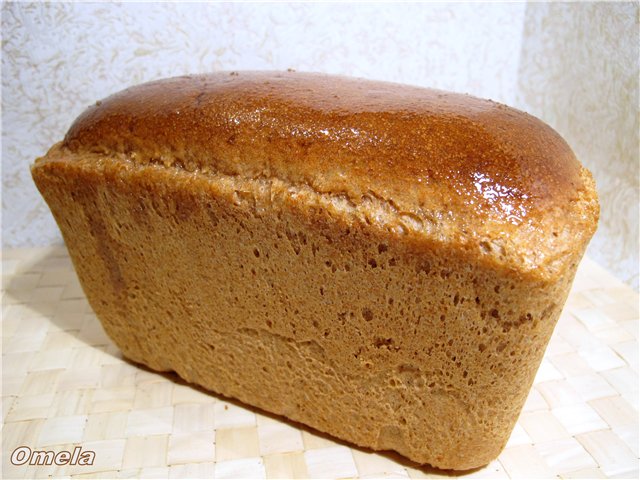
(306, 305)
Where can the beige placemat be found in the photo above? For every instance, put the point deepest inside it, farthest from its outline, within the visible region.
(65, 387)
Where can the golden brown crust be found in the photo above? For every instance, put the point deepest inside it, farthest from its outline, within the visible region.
(339, 134)
(474, 170)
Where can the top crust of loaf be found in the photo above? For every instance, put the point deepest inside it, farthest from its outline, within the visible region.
(449, 167)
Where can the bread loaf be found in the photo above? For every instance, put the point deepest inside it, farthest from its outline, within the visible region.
(383, 263)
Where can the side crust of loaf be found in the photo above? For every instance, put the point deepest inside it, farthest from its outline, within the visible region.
(302, 304)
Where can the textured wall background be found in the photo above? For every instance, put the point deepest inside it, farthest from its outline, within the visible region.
(579, 72)
(574, 66)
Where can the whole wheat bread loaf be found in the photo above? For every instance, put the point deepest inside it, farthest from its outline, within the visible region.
(380, 262)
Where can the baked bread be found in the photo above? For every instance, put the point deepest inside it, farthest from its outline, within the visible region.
(380, 262)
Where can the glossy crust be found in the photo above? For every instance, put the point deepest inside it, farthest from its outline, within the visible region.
(451, 167)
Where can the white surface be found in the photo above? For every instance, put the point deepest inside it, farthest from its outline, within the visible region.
(575, 66)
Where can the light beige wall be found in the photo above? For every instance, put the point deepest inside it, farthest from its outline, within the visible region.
(573, 65)
(579, 72)
(60, 58)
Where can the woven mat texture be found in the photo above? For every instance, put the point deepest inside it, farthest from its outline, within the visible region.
(64, 384)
